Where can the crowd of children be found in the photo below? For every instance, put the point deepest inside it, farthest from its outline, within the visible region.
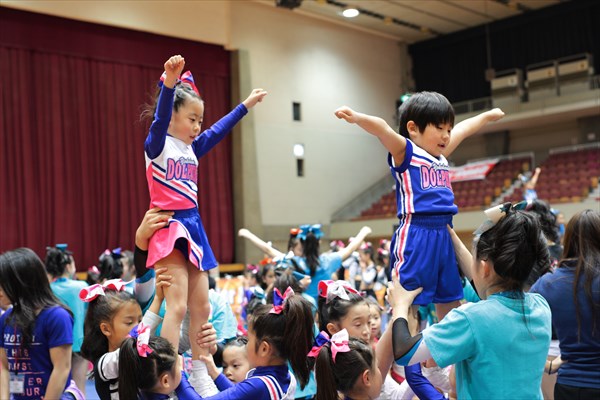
(323, 325)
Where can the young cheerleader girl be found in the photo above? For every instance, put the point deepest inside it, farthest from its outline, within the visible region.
(342, 307)
(478, 336)
(173, 147)
(277, 334)
(36, 334)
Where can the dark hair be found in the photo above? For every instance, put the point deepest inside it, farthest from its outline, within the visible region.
(342, 374)
(183, 92)
(56, 261)
(24, 281)
(282, 282)
(101, 309)
(337, 308)
(425, 108)
(262, 273)
(311, 252)
(582, 244)
(138, 374)
(515, 246)
(238, 341)
(110, 266)
(547, 219)
(289, 333)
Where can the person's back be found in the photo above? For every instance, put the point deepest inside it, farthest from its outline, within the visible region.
(505, 358)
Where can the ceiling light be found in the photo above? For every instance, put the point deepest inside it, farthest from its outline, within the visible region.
(299, 150)
(350, 12)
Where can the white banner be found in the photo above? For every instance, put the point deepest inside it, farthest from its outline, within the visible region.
(472, 171)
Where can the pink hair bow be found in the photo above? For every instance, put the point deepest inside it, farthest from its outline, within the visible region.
(141, 333)
(338, 343)
(321, 340)
(279, 300)
(332, 289)
(186, 77)
(91, 292)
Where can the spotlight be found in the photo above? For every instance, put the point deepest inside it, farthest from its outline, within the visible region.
(350, 12)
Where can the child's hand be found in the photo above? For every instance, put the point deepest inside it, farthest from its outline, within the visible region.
(213, 371)
(154, 219)
(162, 281)
(495, 114)
(256, 96)
(243, 232)
(305, 282)
(365, 230)
(347, 114)
(398, 297)
(173, 68)
(207, 337)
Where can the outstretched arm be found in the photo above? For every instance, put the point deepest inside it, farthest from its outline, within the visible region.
(355, 243)
(392, 141)
(534, 178)
(261, 244)
(470, 126)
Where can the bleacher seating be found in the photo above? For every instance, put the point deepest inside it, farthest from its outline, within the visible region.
(566, 177)
(468, 195)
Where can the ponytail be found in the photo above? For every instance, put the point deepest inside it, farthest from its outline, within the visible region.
(290, 333)
(341, 374)
(139, 374)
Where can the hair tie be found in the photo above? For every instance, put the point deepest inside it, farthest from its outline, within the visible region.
(141, 334)
(279, 300)
(294, 232)
(338, 343)
(331, 289)
(306, 229)
(366, 246)
(90, 293)
(265, 261)
(284, 260)
(495, 214)
(253, 269)
(185, 78)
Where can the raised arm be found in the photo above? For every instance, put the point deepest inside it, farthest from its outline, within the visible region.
(463, 255)
(470, 126)
(355, 243)
(392, 141)
(261, 244)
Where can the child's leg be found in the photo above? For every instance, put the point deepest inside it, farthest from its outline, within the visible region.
(176, 296)
(444, 308)
(199, 308)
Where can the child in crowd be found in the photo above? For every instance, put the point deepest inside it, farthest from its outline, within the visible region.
(235, 359)
(477, 336)
(36, 334)
(173, 147)
(375, 311)
(317, 266)
(61, 270)
(368, 270)
(417, 161)
(529, 183)
(277, 334)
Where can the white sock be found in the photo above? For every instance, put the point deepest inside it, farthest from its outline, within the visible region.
(201, 381)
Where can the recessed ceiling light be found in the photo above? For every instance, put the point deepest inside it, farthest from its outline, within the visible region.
(350, 12)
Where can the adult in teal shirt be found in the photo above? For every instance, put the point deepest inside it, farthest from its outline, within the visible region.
(499, 345)
(60, 267)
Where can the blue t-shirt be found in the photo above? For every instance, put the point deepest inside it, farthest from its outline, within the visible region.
(422, 183)
(581, 350)
(499, 346)
(53, 328)
(67, 291)
(328, 264)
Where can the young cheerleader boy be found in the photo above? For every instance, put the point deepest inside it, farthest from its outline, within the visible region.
(421, 249)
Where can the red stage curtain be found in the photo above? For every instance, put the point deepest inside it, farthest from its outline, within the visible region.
(71, 140)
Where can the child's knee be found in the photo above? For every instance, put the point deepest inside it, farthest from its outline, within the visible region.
(177, 310)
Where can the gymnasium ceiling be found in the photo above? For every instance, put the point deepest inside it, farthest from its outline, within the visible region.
(412, 21)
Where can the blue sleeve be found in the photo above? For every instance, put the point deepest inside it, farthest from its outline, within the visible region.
(223, 383)
(213, 135)
(407, 157)
(58, 327)
(185, 391)
(331, 262)
(451, 340)
(421, 385)
(155, 141)
(2, 325)
(250, 389)
(222, 317)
